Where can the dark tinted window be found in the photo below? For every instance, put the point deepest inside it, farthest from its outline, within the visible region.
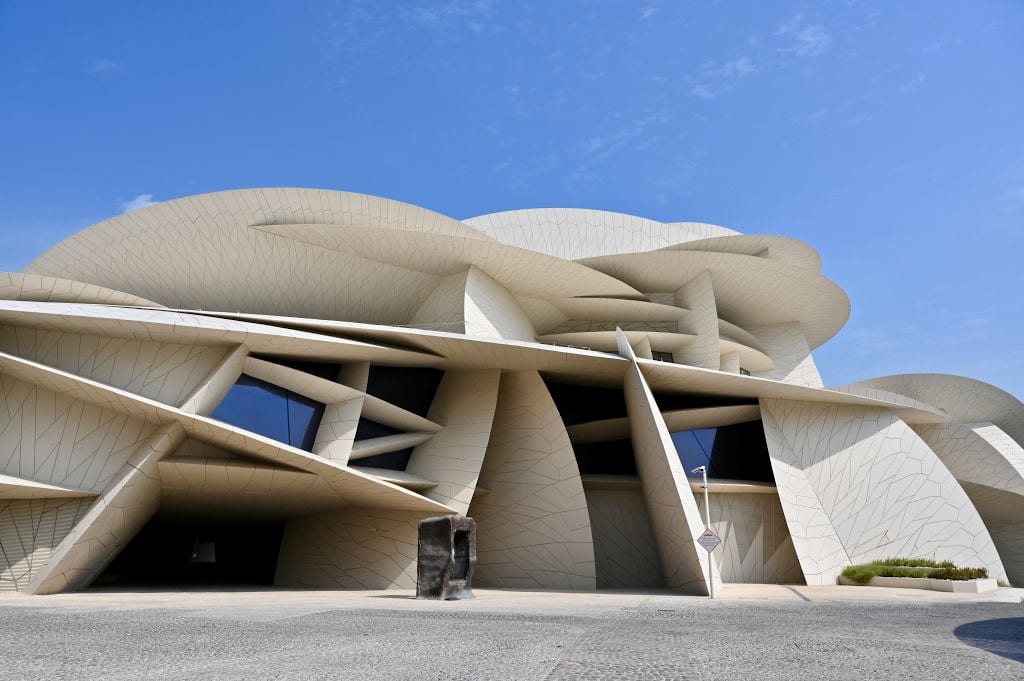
(737, 452)
(325, 370)
(367, 430)
(584, 403)
(411, 389)
(271, 411)
(606, 458)
(672, 401)
(392, 461)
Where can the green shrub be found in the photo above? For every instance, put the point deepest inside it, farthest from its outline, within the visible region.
(861, 574)
(960, 573)
(912, 562)
(898, 567)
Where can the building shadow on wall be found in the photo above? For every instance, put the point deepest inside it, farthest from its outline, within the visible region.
(1003, 637)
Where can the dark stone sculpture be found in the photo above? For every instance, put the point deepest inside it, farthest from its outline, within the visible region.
(446, 558)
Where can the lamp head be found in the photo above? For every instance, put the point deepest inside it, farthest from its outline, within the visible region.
(698, 469)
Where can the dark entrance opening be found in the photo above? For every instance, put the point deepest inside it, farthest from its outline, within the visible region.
(193, 552)
(461, 567)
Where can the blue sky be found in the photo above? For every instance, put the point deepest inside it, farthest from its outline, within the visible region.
(888, 135)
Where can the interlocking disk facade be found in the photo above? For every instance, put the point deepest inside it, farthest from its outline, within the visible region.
(274, 386)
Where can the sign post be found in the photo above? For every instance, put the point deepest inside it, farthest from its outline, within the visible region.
(709, 540)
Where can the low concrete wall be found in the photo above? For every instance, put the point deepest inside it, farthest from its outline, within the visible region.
(970, 586)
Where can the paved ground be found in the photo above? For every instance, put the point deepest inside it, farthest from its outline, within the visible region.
(753, 632)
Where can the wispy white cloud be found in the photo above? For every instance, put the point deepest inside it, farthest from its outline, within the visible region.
(140, 201)
(104, 66)
(354, 30)
(1011, 199)
(705, 91)
(637, 133)
(674, 182)
(717, 79)
(738, 68)
(817, 115)
(632, 134)
(891, 346)
(523, 172)
(470, 13)
(806, 40)
(913, 83)
(650, 10)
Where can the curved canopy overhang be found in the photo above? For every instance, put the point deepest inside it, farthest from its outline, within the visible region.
(305, 253)
(520, 270)
(727, 331)
(749, 290)
(41, 289)
(784, 249)
(965, 399)
(617, 309)
(607, 340)
(345, 256)
(574, 233)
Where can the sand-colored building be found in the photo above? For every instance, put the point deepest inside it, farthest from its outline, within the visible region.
(273, 386)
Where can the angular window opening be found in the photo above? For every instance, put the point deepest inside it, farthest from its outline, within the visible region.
(744, 372)
(368, 430)
(271, 411)
(411, 388)
(674, 401)
(584, 403)
(736, 452)
(326, 370)
(392, 461)
(605, 458)
(662, 356)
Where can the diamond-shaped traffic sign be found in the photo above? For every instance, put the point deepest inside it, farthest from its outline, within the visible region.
(709, 540)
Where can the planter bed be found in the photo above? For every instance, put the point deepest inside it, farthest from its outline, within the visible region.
(967, 586)
(919, 573)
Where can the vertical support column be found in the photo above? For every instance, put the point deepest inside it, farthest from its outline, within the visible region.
(989, 465)
(337, 430)
(533, 529)
(208, 395)
(355, 375)
(643, 348)
(698, 296)
(858, 484)
(787, 346)
(464, 406)
(490, 310)
(730, 363)
(128, 502)
(675, 518)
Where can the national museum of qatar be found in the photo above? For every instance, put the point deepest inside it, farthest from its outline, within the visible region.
(274, 386)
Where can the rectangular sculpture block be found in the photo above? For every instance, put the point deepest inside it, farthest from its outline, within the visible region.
(446, 557)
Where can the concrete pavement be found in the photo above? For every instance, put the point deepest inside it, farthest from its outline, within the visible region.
(752, 632)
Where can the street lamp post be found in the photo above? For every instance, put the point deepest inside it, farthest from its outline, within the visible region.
(703, 470)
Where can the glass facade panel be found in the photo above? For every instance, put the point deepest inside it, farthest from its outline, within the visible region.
(737, 452)
(271, 411)
(304, 417)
